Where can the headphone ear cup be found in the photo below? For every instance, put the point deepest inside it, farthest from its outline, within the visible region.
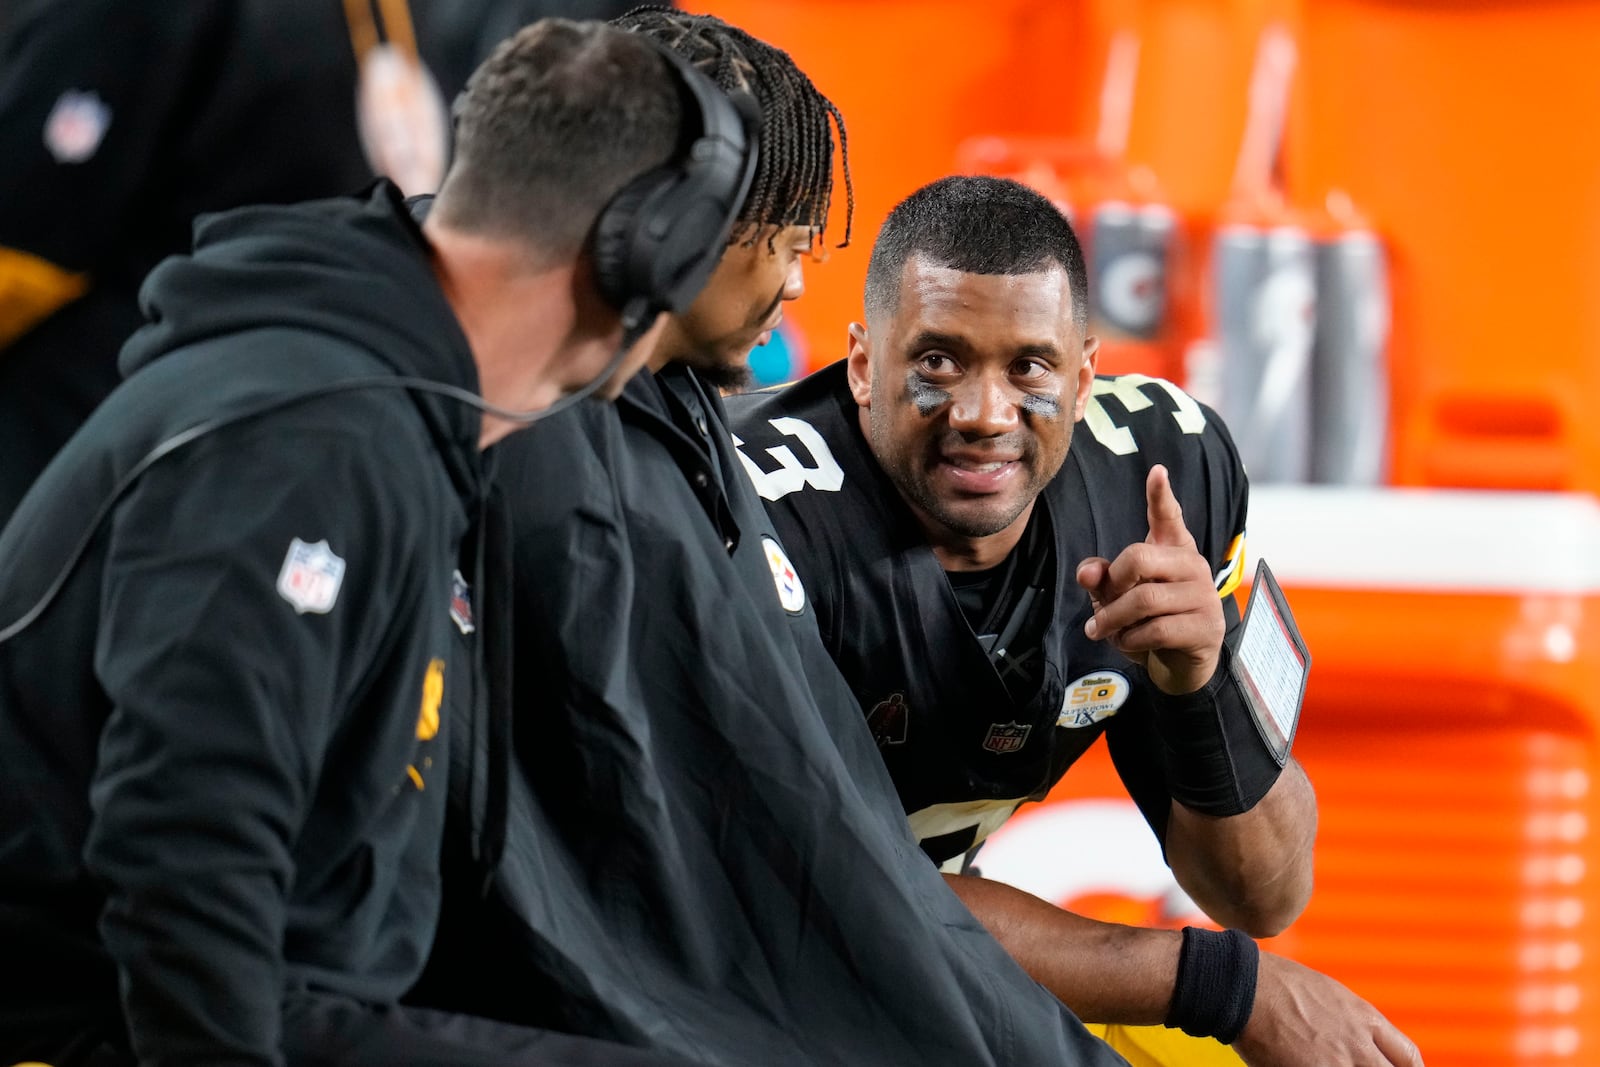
(615, 233)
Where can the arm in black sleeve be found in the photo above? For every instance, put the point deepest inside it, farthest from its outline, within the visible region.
(224, 699)
(1236, 830)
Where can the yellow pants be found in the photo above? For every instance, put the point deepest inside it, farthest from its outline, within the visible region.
(1159, 1046)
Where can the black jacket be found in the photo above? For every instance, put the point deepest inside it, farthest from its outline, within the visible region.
(704, 853)
(221, 741)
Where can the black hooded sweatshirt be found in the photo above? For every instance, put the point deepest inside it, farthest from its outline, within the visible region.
(223, 772)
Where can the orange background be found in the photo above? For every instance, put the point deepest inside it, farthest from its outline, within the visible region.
(1459, 127)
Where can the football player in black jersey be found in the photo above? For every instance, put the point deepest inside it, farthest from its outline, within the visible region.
(998, 600)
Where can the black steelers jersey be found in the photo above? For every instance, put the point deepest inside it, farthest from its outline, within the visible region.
(964, 743)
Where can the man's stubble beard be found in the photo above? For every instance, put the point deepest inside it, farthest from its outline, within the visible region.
(727, 377)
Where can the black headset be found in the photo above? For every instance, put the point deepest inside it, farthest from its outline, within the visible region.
(657, 241)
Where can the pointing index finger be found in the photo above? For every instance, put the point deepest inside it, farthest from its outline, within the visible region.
(1164, 511)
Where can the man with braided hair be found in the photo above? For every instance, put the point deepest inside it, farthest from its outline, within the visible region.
(787, 209)
(703, 853)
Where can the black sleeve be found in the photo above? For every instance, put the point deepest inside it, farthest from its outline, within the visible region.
(1136, 753)
(1215, 508)
(1221, 532)
(224, 699)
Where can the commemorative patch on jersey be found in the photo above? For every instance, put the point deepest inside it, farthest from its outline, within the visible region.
(310, 577)
(791, 594)
(1007, 737)
(76, 126)
(1092, 698)
(461, 603)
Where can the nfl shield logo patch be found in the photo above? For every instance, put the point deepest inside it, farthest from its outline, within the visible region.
(76, 126)
(461, 604)
(310, 577)
(1007, 737)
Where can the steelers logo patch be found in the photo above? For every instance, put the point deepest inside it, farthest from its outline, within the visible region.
(1092, 698)
(791, 594)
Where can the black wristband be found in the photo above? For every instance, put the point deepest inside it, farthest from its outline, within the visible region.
(1216, 986)
(1215, 760)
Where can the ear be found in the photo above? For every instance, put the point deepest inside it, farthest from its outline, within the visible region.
(1086, 371)
(859, 365)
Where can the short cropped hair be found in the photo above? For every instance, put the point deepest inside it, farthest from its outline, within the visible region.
(978, 225)
(554, 123)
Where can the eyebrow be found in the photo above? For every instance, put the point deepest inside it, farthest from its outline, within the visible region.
(935, 339)
(956, 342)
(1039, 350)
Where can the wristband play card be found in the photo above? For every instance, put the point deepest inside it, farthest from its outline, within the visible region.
(1272, 663)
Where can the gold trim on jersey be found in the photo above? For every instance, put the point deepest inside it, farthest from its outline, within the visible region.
(1231, 573)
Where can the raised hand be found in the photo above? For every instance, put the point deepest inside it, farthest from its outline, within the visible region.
(1304, 1017)
(1156, 602)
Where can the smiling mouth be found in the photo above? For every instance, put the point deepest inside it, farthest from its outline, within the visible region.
(979, 463)
(969, 476)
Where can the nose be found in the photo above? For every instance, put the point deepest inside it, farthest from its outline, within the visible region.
(984, 407)
(794, 283)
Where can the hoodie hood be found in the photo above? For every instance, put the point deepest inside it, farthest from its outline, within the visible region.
(355, 268)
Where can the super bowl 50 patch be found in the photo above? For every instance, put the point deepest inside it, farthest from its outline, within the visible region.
(1092, 698)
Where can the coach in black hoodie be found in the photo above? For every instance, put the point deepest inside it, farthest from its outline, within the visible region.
(232, 608)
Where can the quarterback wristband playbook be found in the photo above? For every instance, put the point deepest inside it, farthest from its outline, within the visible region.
(1216, 986)
(1225, 744)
